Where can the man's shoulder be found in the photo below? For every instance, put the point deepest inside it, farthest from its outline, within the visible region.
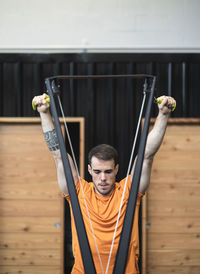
(80, 183)
(85, 185)
(126, 183)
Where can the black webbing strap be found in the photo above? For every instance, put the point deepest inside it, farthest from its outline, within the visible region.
(80, 227)
(122, 252)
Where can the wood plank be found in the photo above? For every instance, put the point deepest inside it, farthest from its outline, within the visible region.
(31, 145)
(174, 208)
(185, 142)
(31, 190)
(35, 120)
(19, 174)
(30, 257)
(30, 225)
(185, 129)
(30, 208)
(26, 128)
(179, 155)
(180, 121)
(177, 162)
(173, 224)
(174, 191)
(23, 137)
(174, 257)
(179, 175)
(30, 240)
(26, 159)
(174, 241)
(174, 269)
(33, 269)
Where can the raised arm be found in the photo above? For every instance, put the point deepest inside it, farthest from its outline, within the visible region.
(154, 140)
(52, 142)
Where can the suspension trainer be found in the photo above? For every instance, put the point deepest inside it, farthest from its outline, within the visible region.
(121, 257)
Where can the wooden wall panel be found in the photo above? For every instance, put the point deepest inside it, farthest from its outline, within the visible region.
(20, 224)
(31, 206)
(26, 269)
(38, 208)
(30, 257)
(174, 269)
(30, 240)
(171, 208)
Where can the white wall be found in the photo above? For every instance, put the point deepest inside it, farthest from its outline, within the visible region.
(116, 25)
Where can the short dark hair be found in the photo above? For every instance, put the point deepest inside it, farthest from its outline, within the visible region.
(103, 152)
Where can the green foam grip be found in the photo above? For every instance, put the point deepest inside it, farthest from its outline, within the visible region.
(34, 106)
(159, 101)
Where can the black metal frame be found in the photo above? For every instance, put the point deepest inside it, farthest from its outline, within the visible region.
(120, 262)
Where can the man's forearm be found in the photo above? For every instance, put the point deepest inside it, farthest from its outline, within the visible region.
(47, 122)
(53, 145)
(49, 131)
(156, 135)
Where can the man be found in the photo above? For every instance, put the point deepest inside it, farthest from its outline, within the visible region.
(103, 195)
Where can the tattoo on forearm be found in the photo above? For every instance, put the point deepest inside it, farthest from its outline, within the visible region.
(51, 140)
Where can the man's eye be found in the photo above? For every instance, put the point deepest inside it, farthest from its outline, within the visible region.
(108, 171)
(96, 171)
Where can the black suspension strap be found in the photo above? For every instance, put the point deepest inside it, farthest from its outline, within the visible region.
(122, 252)
(80, 227)
(120, 262)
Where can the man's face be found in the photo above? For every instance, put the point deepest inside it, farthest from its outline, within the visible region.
(103, 175)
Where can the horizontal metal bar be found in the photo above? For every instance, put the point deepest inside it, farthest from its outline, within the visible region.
(118, 76)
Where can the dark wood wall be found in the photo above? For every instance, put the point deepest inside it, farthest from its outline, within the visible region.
(110, 107)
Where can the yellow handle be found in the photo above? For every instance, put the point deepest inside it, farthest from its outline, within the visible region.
(34, 106)
(159, 101)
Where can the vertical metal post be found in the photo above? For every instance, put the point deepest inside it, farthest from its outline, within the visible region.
(170, 79)
(91, 102)
(18, 89)
(71, 90)
(184, 89)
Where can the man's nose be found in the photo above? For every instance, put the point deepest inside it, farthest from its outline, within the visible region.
(103, 176)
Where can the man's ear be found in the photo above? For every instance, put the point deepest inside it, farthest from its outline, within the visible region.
(116, 169)
(89, 169)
